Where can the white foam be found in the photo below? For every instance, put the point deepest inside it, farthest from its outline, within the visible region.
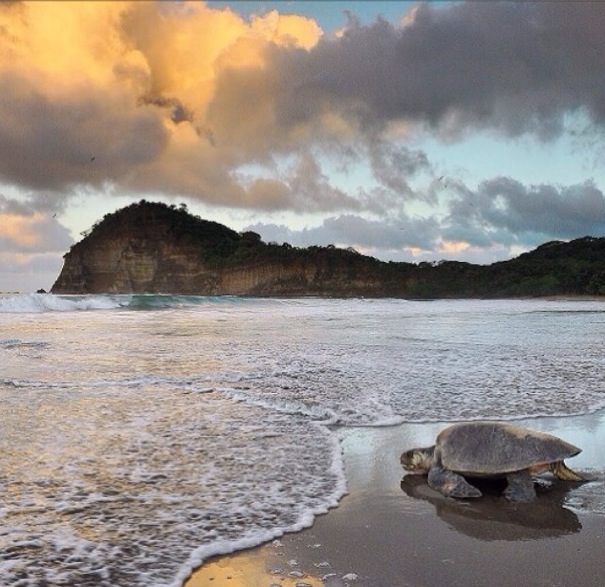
(205, 476)
(38, 303)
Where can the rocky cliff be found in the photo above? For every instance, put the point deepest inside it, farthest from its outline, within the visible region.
(154, 248)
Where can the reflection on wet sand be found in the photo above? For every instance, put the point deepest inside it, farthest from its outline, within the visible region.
(256, 568)
(493, 518)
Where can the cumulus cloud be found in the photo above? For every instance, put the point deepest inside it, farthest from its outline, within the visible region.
(173, 97)
(411, 240)
(481, 225)
(119, 94)
(394, 165)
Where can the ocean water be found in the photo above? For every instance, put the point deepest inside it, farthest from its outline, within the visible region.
(140, 435)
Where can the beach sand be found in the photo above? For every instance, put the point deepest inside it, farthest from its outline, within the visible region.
(391, 531)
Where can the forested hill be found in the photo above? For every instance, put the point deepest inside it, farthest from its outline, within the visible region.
(155, 248)
(556, 268)
(575, 267)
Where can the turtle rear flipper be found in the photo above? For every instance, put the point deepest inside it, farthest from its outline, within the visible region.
(520, 487)
(562, 471)
(451, 484)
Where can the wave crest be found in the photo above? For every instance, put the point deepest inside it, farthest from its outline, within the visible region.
(27, 303)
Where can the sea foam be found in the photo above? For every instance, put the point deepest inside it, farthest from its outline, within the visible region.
(50, 303)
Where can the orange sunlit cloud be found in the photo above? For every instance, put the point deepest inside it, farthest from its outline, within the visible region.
(167, 48)
(415, 251)
(453, 246)
(21, 230)
(28, 232)
(129, 86)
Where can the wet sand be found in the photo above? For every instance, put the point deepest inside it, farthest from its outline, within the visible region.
(394, 531)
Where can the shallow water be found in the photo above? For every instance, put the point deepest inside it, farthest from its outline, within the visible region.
(141, 434)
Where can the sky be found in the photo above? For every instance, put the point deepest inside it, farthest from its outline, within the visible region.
(413, 132)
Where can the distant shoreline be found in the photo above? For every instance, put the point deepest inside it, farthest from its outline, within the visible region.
(557, 298)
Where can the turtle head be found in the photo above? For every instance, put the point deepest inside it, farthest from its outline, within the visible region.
(418, 461)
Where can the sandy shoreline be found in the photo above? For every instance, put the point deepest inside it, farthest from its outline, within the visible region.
(389, 533)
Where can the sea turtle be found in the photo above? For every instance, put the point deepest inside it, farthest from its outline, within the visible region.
(490, 449)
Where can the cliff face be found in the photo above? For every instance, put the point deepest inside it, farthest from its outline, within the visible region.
(152, 248)
(131, 265)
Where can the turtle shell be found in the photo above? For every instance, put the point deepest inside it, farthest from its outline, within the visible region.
(492, 448)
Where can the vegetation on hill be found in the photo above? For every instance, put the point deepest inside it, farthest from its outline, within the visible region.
(553, 269)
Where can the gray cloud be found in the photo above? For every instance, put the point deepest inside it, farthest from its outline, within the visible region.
(15, 207)
(394, 165)
(517, 67)
(27, 273)
(499, 214)
(506, 211)
(55, 143)
(311, 188)
(358, 232)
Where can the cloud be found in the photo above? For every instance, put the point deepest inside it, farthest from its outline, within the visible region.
(67, 115)
(31, 245)
(72, 140)
(410, 240)
(27, 273)
(360, 233)
(512, 67)
(394, 165)
(119, 95)
(173, 98)
(24, 230)
(505, 210)
(480, 225)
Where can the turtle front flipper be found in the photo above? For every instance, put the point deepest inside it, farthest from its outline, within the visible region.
(451, 484)
(520, 487)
